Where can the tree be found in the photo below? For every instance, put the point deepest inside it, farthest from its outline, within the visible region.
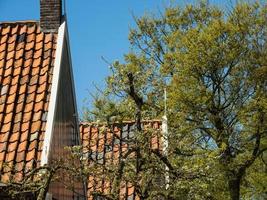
(214, 66)
(34, 183)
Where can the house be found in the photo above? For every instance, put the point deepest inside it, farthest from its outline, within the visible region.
(38, 115)
(104, 145)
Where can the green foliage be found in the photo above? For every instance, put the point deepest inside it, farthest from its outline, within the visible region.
(214, 66)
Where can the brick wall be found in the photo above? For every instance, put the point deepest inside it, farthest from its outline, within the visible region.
(50, 15)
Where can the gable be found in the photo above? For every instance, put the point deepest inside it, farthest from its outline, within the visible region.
(62, 123)
(38, 115)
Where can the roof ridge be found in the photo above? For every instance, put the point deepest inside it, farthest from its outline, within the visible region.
(19, 22)
(117, 122)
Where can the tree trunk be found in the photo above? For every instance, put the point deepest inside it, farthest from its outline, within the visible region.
(234, 187)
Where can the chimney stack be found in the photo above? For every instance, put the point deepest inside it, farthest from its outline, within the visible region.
(50, 15)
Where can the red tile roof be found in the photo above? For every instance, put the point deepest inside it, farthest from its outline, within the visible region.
(107, 145)
(26, 68)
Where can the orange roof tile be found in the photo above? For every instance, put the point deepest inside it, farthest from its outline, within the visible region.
(104, 146)
(26, 63)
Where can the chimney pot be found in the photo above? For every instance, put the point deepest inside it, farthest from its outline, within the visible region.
(50, 15)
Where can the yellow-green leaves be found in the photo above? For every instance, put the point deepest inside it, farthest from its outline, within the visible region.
(213, 65)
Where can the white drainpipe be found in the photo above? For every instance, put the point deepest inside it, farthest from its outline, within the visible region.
(165, 138)
(165, 147)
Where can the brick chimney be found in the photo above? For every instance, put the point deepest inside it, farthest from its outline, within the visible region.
(50, 15)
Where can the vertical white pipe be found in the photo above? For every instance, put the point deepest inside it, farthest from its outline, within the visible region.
(165, 138)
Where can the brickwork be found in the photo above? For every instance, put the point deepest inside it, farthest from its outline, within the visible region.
(50, 15)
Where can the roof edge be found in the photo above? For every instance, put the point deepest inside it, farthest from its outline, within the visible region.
(72, 79)
(19, 22)
(53, 97)
(117, 122)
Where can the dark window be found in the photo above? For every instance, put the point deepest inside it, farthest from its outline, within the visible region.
(97, 197)
(21, 38)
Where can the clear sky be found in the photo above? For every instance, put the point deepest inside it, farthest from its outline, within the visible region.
(97, 28)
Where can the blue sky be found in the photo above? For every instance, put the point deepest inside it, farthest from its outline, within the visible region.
(97, 28)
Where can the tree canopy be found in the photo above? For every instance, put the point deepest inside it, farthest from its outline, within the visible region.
(213, 64)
